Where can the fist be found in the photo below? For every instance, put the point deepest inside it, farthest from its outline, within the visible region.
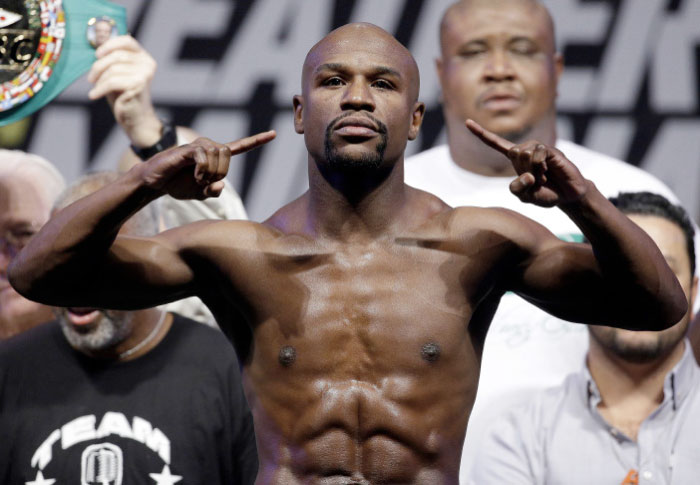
(545, 176)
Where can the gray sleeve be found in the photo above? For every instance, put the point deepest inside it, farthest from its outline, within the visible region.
(512, 450)
(225, 207)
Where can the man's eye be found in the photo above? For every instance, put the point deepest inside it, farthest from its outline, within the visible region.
(334, 81)
(523, 48)
(18, 238)
(471, 52)
(382, 84)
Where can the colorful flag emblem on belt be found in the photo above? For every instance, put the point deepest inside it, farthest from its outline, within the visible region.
(45, 47)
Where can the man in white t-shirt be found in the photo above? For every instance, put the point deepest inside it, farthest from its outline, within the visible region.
(499, 66)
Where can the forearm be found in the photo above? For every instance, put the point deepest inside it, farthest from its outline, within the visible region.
(78, 237)
(633, 268)
(143, 130)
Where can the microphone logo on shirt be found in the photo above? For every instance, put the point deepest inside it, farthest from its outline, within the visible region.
(102, 464)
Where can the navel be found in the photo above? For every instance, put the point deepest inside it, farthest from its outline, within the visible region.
(287, 355)
(430, 351)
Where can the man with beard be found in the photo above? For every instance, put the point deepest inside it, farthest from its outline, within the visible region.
(29, 186)
(368, 300)
(631, 414)
(499, 66)
(106, 396)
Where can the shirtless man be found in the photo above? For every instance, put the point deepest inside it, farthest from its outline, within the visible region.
(368, 300)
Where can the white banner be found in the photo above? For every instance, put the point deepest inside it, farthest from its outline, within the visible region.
(228, 68)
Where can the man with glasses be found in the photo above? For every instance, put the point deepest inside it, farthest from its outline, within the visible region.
(29, 185)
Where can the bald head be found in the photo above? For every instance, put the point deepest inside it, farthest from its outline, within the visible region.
(358, 106)
(462, 8)
(351, 40)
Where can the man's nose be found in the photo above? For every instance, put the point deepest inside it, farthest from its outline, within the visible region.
(358, 96)
(499, 67)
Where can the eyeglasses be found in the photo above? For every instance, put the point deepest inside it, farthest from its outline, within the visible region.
(13, 240)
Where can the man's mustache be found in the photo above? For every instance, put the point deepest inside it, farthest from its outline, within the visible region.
(381, 127)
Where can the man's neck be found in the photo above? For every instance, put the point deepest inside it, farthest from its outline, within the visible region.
(149, 328)
(365, 206)
(629, 391)
(468, 152)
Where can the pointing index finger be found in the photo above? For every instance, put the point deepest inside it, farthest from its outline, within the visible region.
(491, 139)
(248, 143)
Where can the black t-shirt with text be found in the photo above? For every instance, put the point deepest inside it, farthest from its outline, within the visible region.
(174, 415)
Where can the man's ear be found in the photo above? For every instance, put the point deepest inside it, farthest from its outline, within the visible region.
(298, 103)
(416, 120)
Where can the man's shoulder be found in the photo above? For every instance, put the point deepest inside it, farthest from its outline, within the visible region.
(195, 335)
(610, 174)
(437, 153)
(232, 234)
(203, 353)
(496, 224)
(539, 408)
(428, 160)
(498, 219)
(484, 215)
(42, 347)
(34, 341)
(587, 157)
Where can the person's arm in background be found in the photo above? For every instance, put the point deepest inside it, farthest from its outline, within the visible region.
(122, 75)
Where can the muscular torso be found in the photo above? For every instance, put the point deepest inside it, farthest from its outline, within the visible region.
(365, 356)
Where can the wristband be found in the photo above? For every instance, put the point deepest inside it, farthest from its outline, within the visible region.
(168, 139)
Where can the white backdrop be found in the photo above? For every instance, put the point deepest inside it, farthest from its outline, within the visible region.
(230, 67)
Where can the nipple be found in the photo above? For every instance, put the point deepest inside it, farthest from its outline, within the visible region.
(287, 355)
(430, 351)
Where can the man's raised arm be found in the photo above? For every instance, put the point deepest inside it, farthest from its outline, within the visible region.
(624, 281)
(78, 260)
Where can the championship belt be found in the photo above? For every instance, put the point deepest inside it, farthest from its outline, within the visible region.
(45, 45)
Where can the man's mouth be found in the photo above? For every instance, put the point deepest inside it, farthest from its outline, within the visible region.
(82, 316)
(356, 127)
(501, 101)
